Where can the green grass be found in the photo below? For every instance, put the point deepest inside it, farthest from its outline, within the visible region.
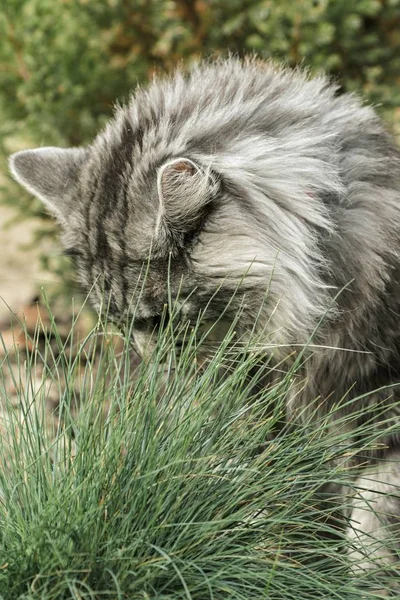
(172, 485)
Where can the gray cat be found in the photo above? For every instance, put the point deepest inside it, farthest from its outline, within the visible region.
(239, 177)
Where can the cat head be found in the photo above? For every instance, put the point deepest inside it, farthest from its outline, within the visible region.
(185, 196)
(135, 242)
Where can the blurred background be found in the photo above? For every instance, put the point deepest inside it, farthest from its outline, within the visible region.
(64, 64)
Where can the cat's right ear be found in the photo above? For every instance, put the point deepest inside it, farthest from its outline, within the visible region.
(50, 174)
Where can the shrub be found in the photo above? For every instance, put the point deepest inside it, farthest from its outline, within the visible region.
(170, 484)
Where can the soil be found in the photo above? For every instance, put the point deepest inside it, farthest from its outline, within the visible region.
(26, 331)
(20, 273)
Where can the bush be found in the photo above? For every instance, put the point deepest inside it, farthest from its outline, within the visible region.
(170, 484)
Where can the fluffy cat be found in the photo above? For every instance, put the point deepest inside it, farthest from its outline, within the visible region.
(240, 176)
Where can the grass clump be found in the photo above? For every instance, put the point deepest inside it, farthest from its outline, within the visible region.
(168, 483)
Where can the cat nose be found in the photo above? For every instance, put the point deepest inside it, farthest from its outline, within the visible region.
(145, 333)
(144, 343)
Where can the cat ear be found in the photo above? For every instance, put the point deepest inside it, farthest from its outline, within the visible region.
(50, 174)
(184, 189)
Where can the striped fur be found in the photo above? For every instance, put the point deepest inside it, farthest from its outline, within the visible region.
(242, 176)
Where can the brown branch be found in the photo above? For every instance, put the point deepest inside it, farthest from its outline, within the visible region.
(187, 8)
(23, 70)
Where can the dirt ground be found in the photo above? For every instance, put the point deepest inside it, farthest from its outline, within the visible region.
(20, 272)
(21, 278)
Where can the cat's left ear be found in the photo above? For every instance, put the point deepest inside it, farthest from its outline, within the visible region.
(50, 174)
(185, 188)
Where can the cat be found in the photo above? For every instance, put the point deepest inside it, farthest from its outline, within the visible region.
(239, 176)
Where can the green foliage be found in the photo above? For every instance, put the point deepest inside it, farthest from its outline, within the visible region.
(178, 490)
(63, 64)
